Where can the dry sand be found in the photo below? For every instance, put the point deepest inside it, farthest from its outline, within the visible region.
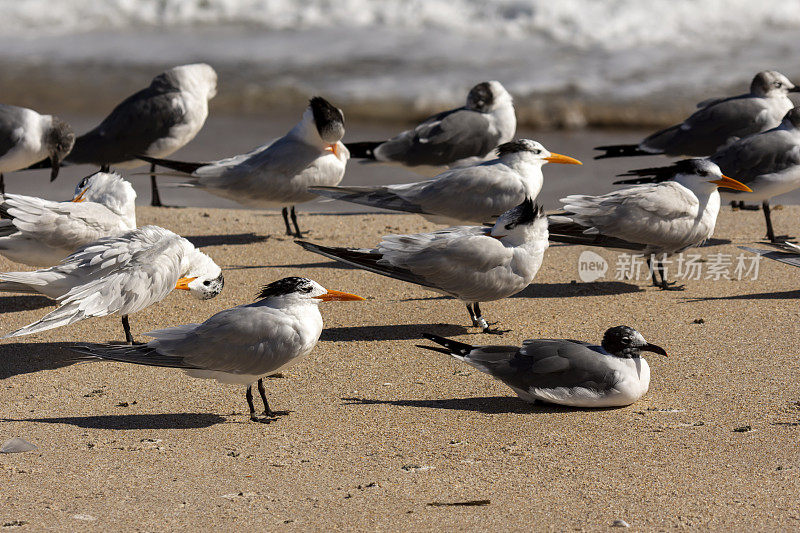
(378, 429)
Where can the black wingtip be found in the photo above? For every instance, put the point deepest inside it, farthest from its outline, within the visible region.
(433, 349)
(181, 166)
(363, 150)
(620, 150)
(453, 347)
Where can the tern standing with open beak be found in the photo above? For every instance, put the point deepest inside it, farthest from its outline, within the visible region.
(768, 163)
(455, 138)
(471, 194)
(278, 174)
(676, 209)
(472, 263)
(27, 137)
(241, 345)
(718, 122)
(119, 275)
(565, 372)
(39, 232)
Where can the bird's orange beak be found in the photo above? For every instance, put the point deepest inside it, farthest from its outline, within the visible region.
(183, 283)
(333, 148)
(337, 296)
(564, 159)
(731, 183)
(79, 198)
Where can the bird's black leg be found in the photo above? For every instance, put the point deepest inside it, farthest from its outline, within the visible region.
(249, 396)
(651, 267)
(285, 212)
(155, 198)
(768, 218)
(472, 315)
(2, 184)
(105, 168)
(127, 327)
(484, 324)
(665, 285)
(296, 227)
(267, 411)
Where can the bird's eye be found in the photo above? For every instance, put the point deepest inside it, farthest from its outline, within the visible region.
(537, 151)
(703, 173)
(626, 340)
(207, 282)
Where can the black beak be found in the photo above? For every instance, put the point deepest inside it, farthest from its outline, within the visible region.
(653, 348)
(55, 165)
(795, 89)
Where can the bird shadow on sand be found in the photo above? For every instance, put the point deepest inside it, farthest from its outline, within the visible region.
(26, 302)
(390, 333)
(133, 421)
(318, 264)
(778, 295)
(569, 290)
(27, 357)
(483, 404)
(714, 242)
(201, 241)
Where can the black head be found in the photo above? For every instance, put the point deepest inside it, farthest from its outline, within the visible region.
(698, 166)
(522, 215)
(60, 139)
(520, 145)
(793, 116)
(286, 286)
(481, 97)
(328, 119)
(627, 343)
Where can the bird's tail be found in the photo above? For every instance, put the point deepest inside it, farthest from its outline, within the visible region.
(139, 354)
(363, 150)
(563, 229)
(186, 167)
(381, 197)
(620, 150)
(459, 350)
(28, 282)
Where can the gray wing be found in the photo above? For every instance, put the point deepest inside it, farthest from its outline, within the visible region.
(130, 129)
(792, 259)
(712, 126)
(547, 364)
(442, 139)
(767, 153)
(12, 118)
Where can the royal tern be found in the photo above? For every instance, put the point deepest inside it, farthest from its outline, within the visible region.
(787, 252)
(718, 122)
(675, 210)
(27, 137)
(121, 275)
(278, 174)
(39, 232)
(562, 371)
(472, 263)
(768, 163)
(241, 345)
(471, 194)
(155, 122)
(453, 138)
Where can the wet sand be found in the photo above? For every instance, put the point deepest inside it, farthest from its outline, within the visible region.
(379, 434)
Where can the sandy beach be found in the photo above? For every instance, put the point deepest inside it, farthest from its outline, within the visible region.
(381, 435)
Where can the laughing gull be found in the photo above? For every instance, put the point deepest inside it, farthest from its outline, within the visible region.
(241, 345)
(768, 163)
(278, 174)
(39, 232)
(119, 275)
(674, 210)
(471, 194)
(718, 122)
(458, 137)
(562, 371)
(155, 122)
(27, 137)
(788, 252)
(472, 263)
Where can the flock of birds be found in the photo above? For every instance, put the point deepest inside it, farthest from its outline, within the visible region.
(97, 262)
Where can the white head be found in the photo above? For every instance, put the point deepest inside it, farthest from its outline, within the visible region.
(302, 290)
(202, 277)
(528, 151)
(771, 83)
(525, 223)
(488, 96)
(110, 190)
(197, 78)
(701, 175)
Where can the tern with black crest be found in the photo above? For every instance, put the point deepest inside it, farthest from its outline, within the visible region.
(673, 209)
(718, 122)
(454, 138)
(474, 194)
(278, 174)
(121, 275)
(241, 345)
(562, 371)
(472, 263)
